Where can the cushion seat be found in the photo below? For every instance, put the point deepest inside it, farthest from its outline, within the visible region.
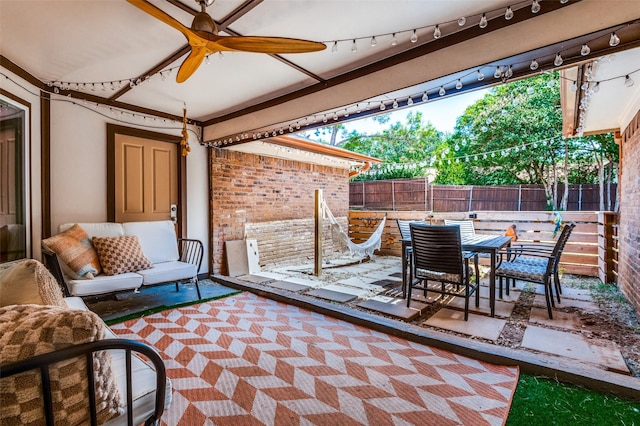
(167, 272)
(105, 284)
(524, 270)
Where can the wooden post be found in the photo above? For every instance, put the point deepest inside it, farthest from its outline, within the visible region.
(317, 267)
(605, 247)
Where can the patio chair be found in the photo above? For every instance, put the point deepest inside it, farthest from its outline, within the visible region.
(438, 257)
(405, 234)
(517, 251)
(536, 264)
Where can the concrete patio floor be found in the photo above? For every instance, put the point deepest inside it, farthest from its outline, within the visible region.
(369, 293)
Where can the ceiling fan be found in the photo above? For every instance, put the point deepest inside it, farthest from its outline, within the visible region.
(204, 39)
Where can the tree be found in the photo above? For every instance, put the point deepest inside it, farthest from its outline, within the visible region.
(406, 148)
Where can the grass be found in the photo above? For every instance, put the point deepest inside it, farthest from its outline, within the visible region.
(164, 308)
(542, 401)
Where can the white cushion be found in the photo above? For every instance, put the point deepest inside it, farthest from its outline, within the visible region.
(167, 272)
(104, 284)
(158, 239)
(143, 387)
(99, 229)
(144, 378)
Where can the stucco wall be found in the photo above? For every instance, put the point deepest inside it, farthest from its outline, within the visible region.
(629, 231)
(250, 189)
(79, 164)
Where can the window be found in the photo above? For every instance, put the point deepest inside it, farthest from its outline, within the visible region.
(14, 230)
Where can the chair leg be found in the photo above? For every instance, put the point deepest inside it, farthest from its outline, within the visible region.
(548, 298)
(198, 289)
(556, 281)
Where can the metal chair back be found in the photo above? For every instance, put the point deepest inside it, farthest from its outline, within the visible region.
(437, 248)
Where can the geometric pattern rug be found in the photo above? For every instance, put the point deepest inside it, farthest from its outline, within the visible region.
(247, 360)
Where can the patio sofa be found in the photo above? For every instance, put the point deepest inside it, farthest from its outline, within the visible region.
(106, 257)
(60, 363)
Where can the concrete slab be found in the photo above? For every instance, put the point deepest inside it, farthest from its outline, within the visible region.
(503, 309)
(381, 275)
(387, 283)
(576, 293)
(255, 279)
(360, 282)
(287, 285)
(396, 308)
(567, 320)
(271, 275)
(575, 346)
(396, 274)
(333, 296)
(477, 325)
(358, 292)
(567, 303)
(305, 282)
(514, 293)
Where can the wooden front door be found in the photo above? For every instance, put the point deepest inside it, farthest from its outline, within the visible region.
(145, 178)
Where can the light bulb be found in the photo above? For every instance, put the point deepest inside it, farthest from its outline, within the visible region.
(374, 42)
(628, 81)
(324, 118)
(461, 21)
(458, 84)
(442, 92)
(437, 33)
(558, 60)
(498, 72)
(410, 101)
(530, 90)
(483, 21)
(221, 55)
(585, 50)
(382, 106)
(551, 83)
(535, 7)
(394, 40)
(596, 88)
(534, 65)
(414, 37)
(614, 40)
(563, 1)
(509, 72)
(508, 14)
(480, 76)
(354, 47)
(334, 48)
(585, 86)
(425, 97)
(207, 60)
(395, 104)
(163, 77)
(574, 87)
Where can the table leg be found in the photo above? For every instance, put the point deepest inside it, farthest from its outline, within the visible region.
(492, 284)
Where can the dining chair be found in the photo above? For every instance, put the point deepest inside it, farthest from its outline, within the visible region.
(405, 234)
(438, 257)
(518, 251)
(537, 265)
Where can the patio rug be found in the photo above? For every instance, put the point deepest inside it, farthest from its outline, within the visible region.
(247, 360)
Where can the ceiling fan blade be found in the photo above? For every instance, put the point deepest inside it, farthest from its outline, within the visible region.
(191, 63)
(268, 44)
(145, 6)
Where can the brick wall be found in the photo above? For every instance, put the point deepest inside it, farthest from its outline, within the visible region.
(248, 190)
(629, 231)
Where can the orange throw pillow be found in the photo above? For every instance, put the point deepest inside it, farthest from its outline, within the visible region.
(74, 249)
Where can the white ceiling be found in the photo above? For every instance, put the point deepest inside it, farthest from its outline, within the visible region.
(111, 40)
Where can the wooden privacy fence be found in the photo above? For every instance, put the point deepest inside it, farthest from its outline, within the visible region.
(591, 249)
(418, 194)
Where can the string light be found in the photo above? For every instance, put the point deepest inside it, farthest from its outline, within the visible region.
(483, 21)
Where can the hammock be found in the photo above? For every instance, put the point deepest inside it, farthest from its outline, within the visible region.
(363, 249)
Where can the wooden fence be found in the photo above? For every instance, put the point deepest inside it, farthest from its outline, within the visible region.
(418, 194)
(590, 251)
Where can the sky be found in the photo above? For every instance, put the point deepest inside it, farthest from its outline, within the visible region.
(441, 113)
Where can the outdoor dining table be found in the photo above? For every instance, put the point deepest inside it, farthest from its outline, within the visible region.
(479, 243)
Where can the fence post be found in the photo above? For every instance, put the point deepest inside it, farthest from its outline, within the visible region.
(470, 198)
(393, 195)
(605, 247)
(364, 203)
(519, 197)
(426, 192)
(579, 197)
